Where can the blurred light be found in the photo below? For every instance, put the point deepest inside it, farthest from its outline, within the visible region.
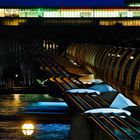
(13, 22)
(43, 82)
(118, 55)
(28, 129)
(16, 75)
(74, 63)
(71, 60)
(134, 5)
(113, 55)
(131, 57)
(17, 97)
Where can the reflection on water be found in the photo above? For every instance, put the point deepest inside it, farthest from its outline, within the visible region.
(10, 104)
(13, 130)
(28, 128)
(54, 131)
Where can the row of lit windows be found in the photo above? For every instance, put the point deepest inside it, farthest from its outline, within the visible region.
(13, 22)
(100, 22)
(50, 46)
(70, 21)
(44, 12)
(119, 22)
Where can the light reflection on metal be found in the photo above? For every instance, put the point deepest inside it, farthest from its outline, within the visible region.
(43, 82)
(113, 54)
(117, 66)
(87, 79)
(28, 128)
(40, 82)
(118, 55)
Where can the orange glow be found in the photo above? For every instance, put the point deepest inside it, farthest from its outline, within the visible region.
(28, 128)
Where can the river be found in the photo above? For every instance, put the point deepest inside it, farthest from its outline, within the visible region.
(14, 125)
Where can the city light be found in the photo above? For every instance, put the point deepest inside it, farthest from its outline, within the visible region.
(134, 5)
(28, 128)
(73, 13)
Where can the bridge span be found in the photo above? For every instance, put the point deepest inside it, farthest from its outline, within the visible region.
(109, 106)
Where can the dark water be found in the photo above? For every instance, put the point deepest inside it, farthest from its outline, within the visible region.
(16, 104)
(11, 130)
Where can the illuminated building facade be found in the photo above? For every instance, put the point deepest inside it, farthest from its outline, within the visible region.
(132, 3)
(98, 16)
(71, 13)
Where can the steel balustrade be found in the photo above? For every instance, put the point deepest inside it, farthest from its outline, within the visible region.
(111, 65)
(116, 66)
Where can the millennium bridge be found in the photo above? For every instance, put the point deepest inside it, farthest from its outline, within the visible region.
(99, 83)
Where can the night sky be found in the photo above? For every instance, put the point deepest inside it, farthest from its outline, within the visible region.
(62, 3)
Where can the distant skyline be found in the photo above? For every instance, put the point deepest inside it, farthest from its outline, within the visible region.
(61, 3)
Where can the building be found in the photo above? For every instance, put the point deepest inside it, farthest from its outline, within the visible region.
(132, 3)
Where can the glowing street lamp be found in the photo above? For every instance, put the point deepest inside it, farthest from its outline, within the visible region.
(28, 129)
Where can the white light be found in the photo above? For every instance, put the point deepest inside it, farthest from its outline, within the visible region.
(44, 81)
(74, 63)
(16, 75)
(28, 132)
(28, 126)
(134, 5)
(28, 129)
(131, 57)
(17, 98)
(118, 55)
(108, 110)
(113, 55)
(82, 91)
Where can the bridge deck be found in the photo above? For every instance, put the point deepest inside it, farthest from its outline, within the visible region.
(117, 126)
